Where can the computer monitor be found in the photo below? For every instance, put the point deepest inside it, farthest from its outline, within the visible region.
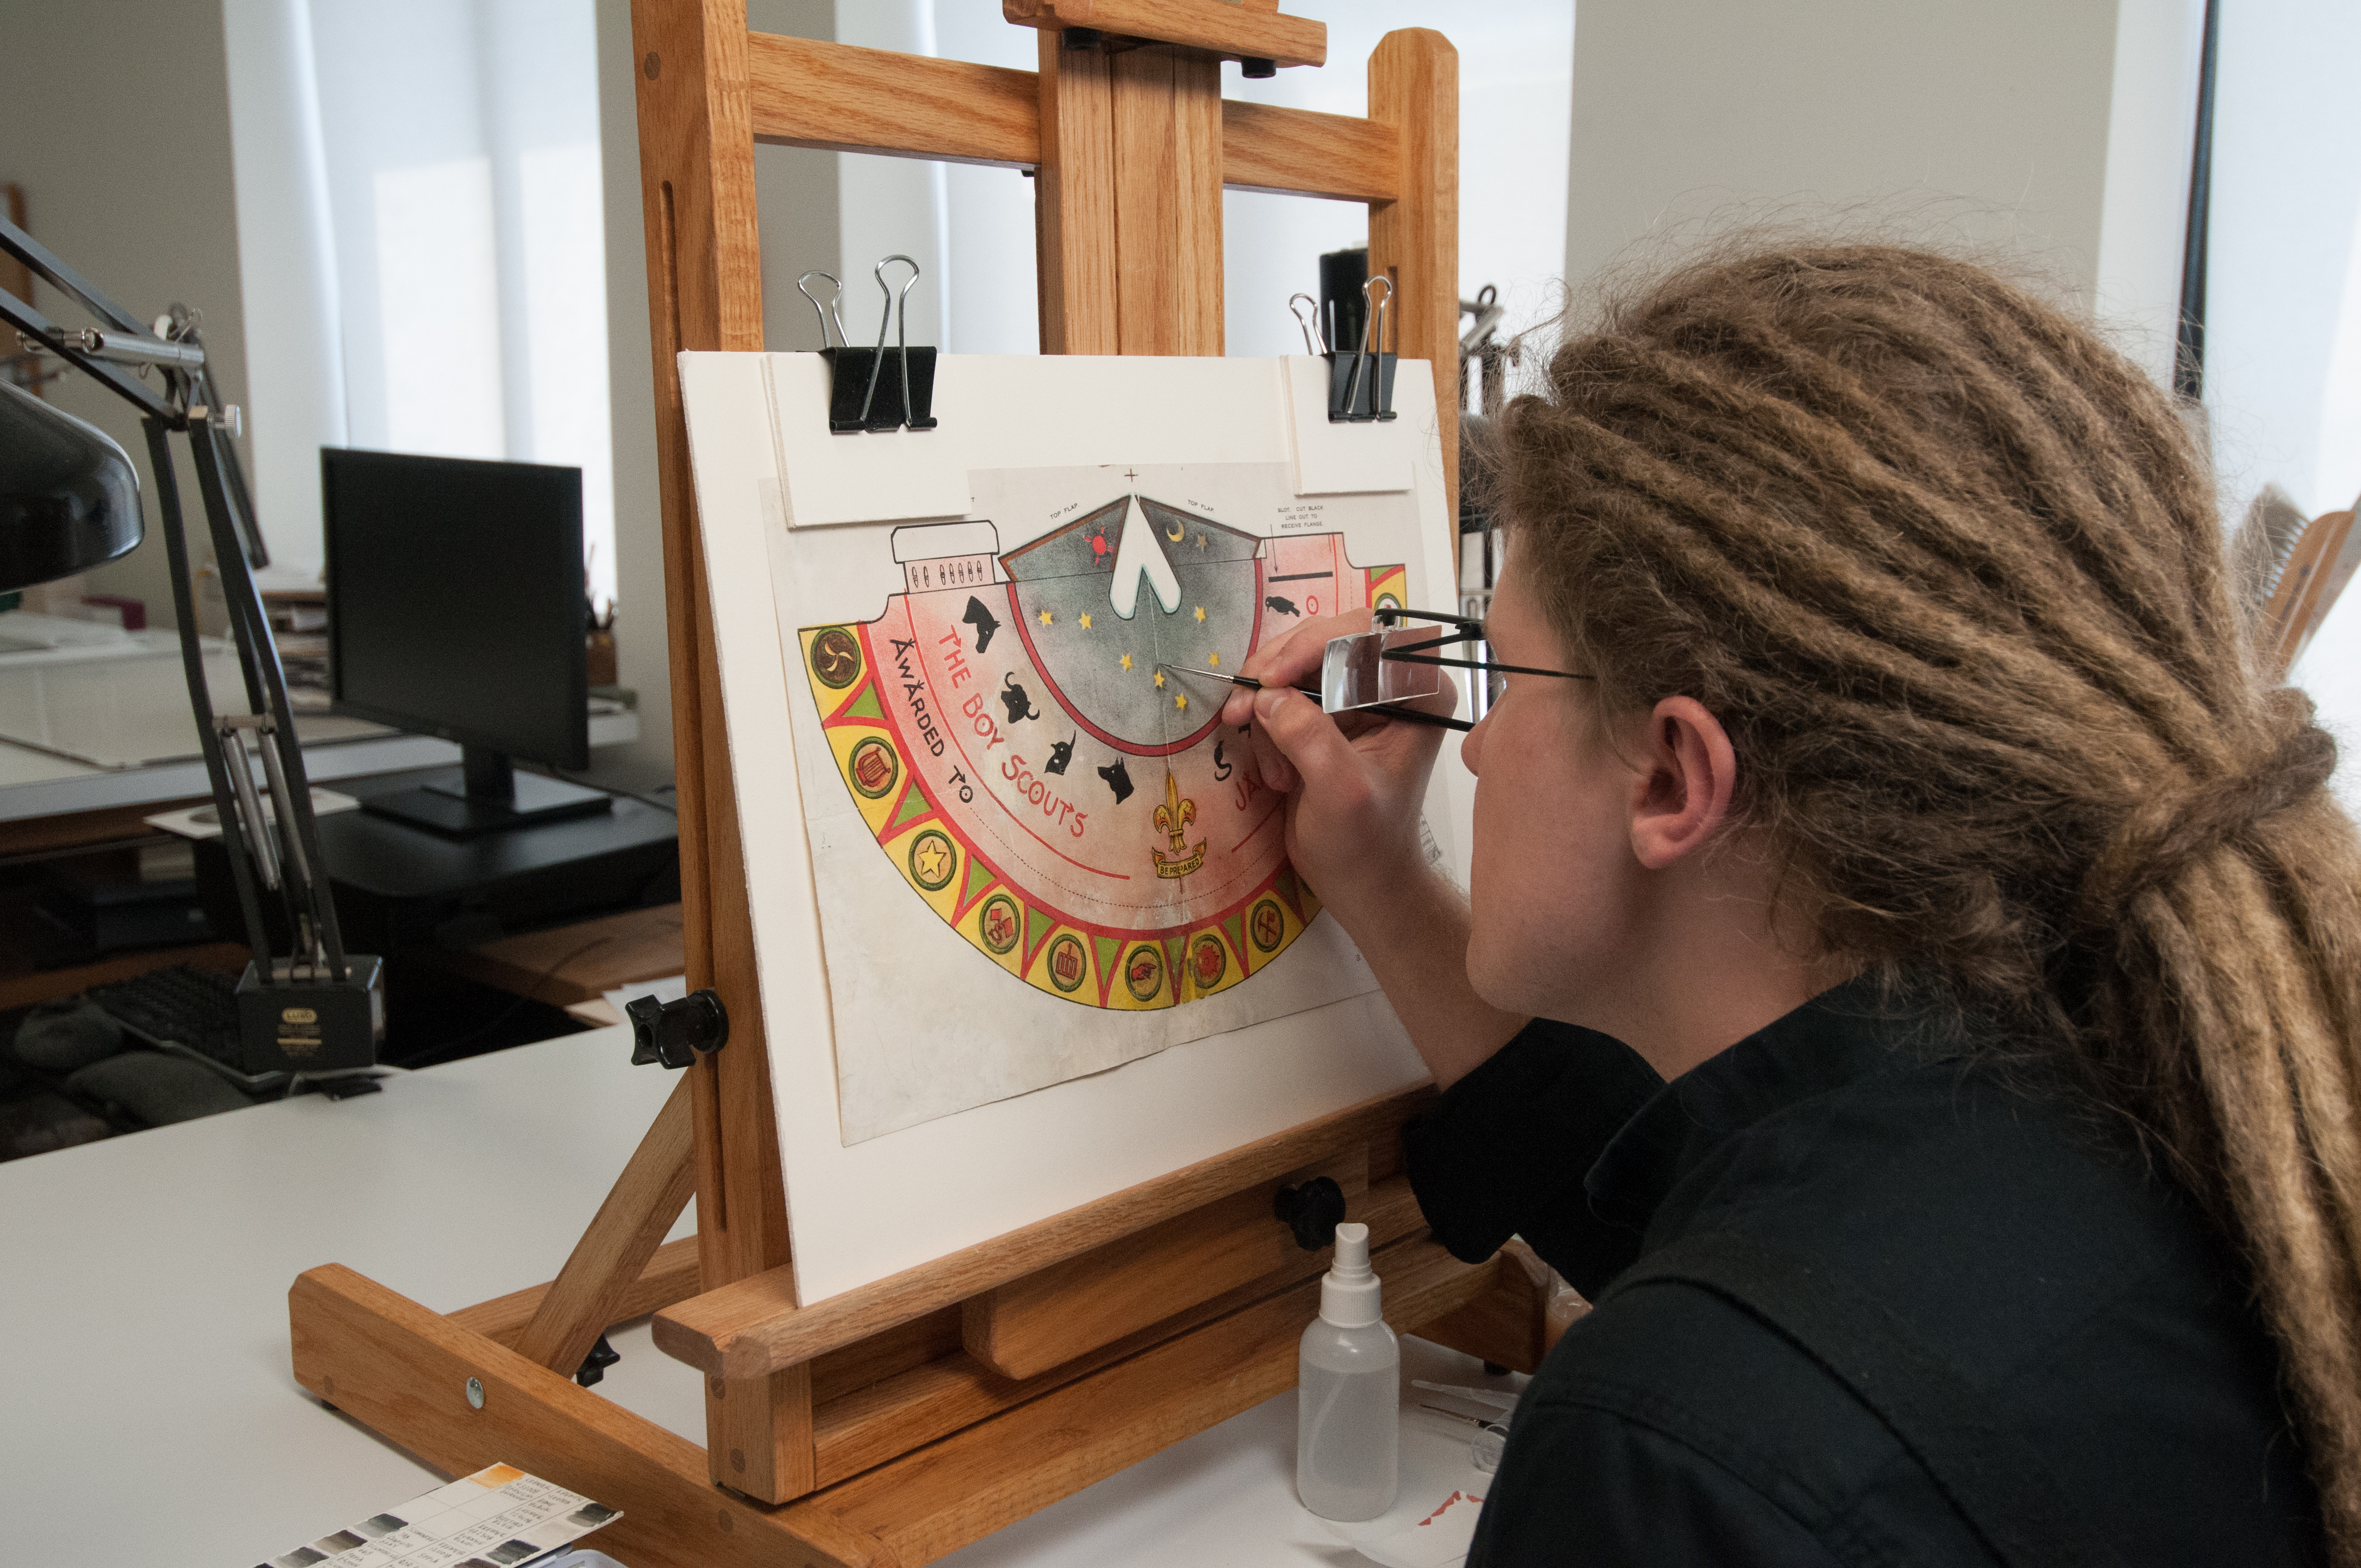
(456, 608)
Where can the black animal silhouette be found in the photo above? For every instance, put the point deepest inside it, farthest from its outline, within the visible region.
(1118, 778)
(1222, 770)
(980, 618)
(1060, 753)
(1016, 700)
(1275, 604)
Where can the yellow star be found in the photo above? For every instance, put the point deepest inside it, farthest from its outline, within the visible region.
(1180, 699)
(1201, 542)
(1217, 659)
(1160, 680)
(931, 860)
(1045, 617)
(1086, 621)
(1124, 660)
(1201, 614)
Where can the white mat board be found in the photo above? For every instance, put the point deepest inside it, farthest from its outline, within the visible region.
(763, 458)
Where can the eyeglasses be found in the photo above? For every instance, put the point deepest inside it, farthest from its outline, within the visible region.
(1354, 671)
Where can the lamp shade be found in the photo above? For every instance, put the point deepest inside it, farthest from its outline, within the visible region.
(68, 497)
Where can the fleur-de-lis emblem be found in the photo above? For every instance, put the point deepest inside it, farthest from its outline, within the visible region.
(1173, 819)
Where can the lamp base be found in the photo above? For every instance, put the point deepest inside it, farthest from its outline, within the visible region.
(303, 1021)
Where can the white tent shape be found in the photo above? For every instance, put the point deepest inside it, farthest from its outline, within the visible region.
(1136, 555)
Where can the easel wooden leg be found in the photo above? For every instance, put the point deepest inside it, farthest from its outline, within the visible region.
(589, 1292)
(401, 1370)
(1414, 239)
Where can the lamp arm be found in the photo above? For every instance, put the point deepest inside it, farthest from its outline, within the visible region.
(266, 685)
(57, 340)
(191, 404)
(192, 664)
(50, 269)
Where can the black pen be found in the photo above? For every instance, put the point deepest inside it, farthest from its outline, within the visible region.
(1383, 710)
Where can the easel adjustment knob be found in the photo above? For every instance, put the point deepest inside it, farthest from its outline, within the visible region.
(1312, 1212)
(677, 1033)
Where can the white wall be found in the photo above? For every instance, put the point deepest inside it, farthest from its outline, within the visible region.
(288, 273)
(2283, 296)
(1982, 123)
(2151, 138)
(130, 184)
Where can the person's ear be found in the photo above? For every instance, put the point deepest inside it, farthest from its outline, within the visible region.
(1689, 774)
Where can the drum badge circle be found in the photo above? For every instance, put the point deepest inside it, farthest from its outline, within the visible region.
(932, 860)
(1208, 961)
(835, 658)
(1267, 925)
(1143, 973)
(872, 768)
(999, 925)
(1068, 967)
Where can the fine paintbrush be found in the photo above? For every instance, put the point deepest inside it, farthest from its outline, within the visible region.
(1382, 709)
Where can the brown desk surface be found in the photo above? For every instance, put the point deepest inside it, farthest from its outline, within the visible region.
(576, 963)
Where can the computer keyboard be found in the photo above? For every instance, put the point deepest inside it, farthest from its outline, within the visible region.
(192, 1008)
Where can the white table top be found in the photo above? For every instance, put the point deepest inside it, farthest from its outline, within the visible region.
(151, 1414)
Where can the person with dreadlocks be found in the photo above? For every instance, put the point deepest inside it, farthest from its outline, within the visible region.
(1910, 972)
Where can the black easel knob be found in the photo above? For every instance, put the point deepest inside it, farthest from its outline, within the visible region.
(1312, 1212)
(1257, 69)
(594, 1366)
(675, 1033)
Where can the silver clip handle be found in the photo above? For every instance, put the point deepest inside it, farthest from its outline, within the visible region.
(1315, 341)
(836, 296)
(893, 301)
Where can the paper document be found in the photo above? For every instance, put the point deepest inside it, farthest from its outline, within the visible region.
(497, 1518)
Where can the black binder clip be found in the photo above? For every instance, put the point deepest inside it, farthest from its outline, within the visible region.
(1361, 382)
(870, 388)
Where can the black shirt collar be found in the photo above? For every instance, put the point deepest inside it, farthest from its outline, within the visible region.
(1838, 1038)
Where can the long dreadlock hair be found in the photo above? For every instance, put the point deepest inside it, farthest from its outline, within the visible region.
(1948, 569)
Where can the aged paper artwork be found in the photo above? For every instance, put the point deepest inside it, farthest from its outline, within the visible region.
(1035, 854)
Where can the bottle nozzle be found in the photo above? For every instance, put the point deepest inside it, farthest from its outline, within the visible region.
(1349, 1294)
(1352, 1260)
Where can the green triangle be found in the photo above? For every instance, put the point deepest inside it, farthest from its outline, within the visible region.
(1108, 949)
(1038, 923)
(1283, 884)
(1176, 953)
(979, 877)
(1234, 929)
(915, 804)
(864, 706)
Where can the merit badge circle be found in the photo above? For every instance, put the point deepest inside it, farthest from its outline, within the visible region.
(1384, 601)
(1143, 973)
(1267, 925)
(932, 860)
(835, 658)
(1068, 967)
(873, 767)
(999, 925)
(1208, 961)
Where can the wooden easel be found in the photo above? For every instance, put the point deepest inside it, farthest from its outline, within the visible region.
(898, 1422)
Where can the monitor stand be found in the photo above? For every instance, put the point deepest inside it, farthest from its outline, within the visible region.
(486, 794)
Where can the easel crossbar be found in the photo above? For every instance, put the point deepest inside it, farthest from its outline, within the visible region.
(841, 98)
(753, 1328)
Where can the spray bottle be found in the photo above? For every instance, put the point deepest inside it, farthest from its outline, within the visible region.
(1348, 1389)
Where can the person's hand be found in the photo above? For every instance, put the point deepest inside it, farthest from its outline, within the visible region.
(1355, 783)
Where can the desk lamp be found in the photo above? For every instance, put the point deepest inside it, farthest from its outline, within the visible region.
(69, 501)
